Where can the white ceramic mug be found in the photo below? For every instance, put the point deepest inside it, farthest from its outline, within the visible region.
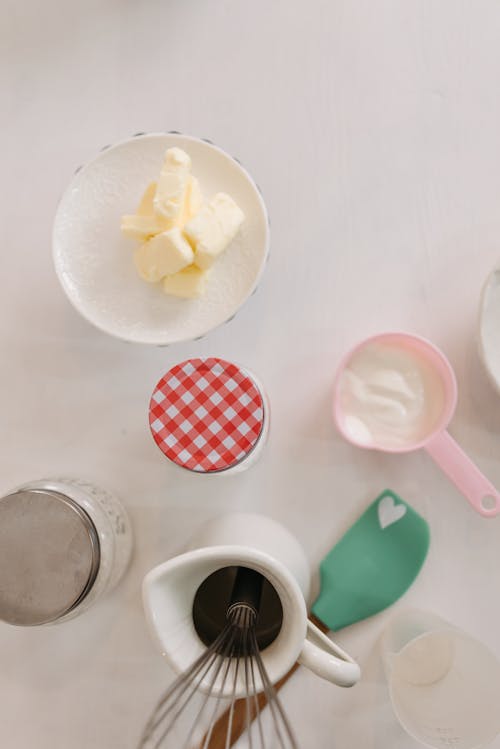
(444, 685)
(259, 543)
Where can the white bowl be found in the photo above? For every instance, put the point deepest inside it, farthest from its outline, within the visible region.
(93, 260)
(489, 327)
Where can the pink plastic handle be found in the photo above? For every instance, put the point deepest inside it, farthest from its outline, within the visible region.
(466, 476)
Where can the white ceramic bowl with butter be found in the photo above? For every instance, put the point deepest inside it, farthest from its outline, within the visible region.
(94, 261)
(489, 327)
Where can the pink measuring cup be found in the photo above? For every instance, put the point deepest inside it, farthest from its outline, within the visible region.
(459, 468)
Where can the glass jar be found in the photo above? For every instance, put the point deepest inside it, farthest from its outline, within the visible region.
(210, 416)
(63, 544)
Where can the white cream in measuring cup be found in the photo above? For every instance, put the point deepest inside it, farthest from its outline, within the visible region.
(390, 396)
(397, 392)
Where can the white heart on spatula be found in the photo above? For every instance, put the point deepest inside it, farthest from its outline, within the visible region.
(389, 512)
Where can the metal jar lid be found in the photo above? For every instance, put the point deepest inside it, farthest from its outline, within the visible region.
(49, 556)
(206, 414)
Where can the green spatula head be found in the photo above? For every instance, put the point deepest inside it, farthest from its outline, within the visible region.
(373, 564)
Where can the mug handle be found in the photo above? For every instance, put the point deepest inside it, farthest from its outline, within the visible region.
(322, 656)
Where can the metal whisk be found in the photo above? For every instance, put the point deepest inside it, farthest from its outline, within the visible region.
(231, 659)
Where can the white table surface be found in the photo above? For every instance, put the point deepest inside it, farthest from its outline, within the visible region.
(373, 129)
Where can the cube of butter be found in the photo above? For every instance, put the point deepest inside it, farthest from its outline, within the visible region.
(194, 197)
(163, 255)
(146, 207)
(192, 202)
(145, 223)
(188, 283)
(172, 184)
(142, 227)
(213, 228)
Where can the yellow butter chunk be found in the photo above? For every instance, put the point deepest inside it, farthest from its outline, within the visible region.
(180, 235)
(163, 255)
(188, 283)
(145, 223)
(192, 203)
(142, 227)
(213, 229)
(146, 207)
(194, 197)
(172, 184)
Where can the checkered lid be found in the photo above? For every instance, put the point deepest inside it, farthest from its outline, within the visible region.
(206, 414)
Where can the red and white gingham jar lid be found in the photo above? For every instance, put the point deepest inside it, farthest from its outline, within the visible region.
(207, 415)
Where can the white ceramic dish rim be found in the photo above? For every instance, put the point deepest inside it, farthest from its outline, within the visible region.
(253, 289)
(482, 349)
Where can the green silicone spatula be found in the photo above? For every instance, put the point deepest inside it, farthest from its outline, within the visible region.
(373, 564)
(370, 568)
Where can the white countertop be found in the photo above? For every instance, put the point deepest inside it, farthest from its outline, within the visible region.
(373, 129)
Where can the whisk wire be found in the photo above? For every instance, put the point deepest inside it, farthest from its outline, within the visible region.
(226, 659)
(248, 721)
(273, 700)
(208, 735)
(218, 659)
(256, 704)
(181, 685)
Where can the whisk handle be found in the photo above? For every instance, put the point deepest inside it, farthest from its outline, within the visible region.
(247, 588)
(219, 732)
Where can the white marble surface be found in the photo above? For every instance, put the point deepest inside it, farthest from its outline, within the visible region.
(373, 130)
